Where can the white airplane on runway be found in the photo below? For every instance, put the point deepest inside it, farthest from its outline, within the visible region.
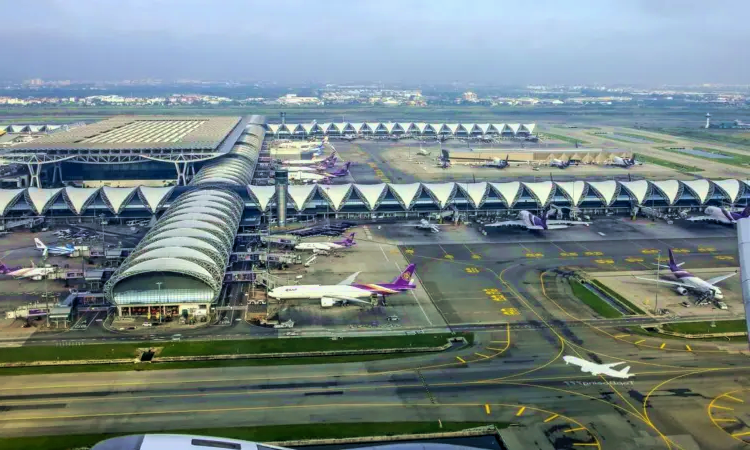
(599, 369)
(530, 221)
(426, 225)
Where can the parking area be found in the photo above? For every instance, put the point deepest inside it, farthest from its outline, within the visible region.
(377, 263)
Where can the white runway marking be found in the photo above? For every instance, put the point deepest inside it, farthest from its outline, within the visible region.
(384, 255)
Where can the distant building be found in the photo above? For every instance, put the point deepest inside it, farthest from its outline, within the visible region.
(293, 99)
(470, 97)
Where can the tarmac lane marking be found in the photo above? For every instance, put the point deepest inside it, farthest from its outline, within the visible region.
(733, 398)
(551, 418)
(520, 411)
(687, 347)
(622, 336)
(638, 342)
(663, 344)
(495, 349)
(573, 430)
(744, 433)
(483, 356)
(487, 409)
(722, 407)
(725, 420)
(463, 361)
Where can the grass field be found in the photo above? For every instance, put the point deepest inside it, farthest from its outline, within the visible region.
(669, 164)
(593, 301)
(562, 138)
(628, 305)
(711, 136)
(731, 158)
(727, 326)
(197, 348)
(648, 138)
(274, 433)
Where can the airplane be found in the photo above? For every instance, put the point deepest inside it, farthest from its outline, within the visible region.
(496, 163)
(328, 161)
(5, 270)
(321, 168)
(531, 221)
(623, 162)
(33, 272)
(309, 177)
(689, 282)
(599, 369)
(327, 246)
(54, 251)
(346, 291)
(423, 152)
(559, 163)
(721, 215)
(426, 225)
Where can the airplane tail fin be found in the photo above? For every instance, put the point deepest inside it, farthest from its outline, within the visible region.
(625, 371)
(350, 239)
(4, 269)
(746, 212)
(672, 264)
(405, 278)
(39, 244)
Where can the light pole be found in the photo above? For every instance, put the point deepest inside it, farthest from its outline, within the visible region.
(658, 272)
(158, 297)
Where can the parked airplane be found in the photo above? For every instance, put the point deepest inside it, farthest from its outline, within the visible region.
(689, 282)
(423, 152)
(328, 162)
(721, 215)
(54, 251)
(346, 291)
(309, 177)
(623, 162)
(33, 272)
(327, 246)
(496, 163)
(321, 168)
(599, 369)
(426, 225)
(5, 270)
(560, 164)
(531, 221)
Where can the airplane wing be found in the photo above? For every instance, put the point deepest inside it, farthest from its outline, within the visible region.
(701, 219)
(613, 364)
(508, 223)
(349, 280)
(566, 222)
(721, 278)
(687, 286)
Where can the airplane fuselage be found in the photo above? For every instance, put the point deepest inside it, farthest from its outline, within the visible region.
(318, 291)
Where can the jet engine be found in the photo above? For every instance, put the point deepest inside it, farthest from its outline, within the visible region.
(681, 290)
(328, 302)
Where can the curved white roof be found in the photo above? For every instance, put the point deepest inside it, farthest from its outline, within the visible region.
(475, 192)
(541, 190)
(199, 221)
(208, 193)
(442, 192)
(210, 202)
(573, 189)
(42, 198)
(176, 265)
(607, 189)
(421, 126)
(153, 196)
(8, 197)
(507, 191)
(79, 196)
(117, 197)
(171, 239)
(336, 194)
(173, 252)
(699, 188)
(638, 189)
(370, 193)
(406, 126)
(406, 193)
(730, 188)
(300, 194)
(670, 188)
(262, 194)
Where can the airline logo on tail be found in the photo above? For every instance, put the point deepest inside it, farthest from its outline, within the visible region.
(405, 278)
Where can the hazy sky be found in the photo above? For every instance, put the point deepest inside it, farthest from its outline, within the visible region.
(409, 41)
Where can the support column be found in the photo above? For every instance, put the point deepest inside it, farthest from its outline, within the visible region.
(57, 173)
(181, 168)
(34, 170)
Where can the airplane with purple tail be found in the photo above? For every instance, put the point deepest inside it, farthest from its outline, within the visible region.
(721, 215)
(623, 162)
(347, 291)
(327, 246)
(687, 282)
(5, 270)
(531, 221)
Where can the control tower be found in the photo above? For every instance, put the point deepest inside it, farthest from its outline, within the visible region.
(708, 120)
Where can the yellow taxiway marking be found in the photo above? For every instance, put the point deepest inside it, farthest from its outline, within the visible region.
(476, 256)
(520, 411)
(706, 249)
(568, 254)
(572, 430)
(724, 257)
(744, 433)
(663, 344)
(534, 255)
(622, 335)
(469, 269)
(722, 407)
(734, 398)
(551, 418)
(725, 420)
(487, 408)
(638, 342)
(447, 256)
(496, 349)
(680, 250)
(649, 251)
(483, 356)
(461, 359)
(634, 260)
(687, 347)
(593, 253)
(604, 261)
